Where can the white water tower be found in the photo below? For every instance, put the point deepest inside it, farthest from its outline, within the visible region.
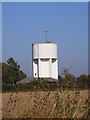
(44, 58)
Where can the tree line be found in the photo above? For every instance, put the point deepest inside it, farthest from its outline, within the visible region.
(72, 82)
(11, 73)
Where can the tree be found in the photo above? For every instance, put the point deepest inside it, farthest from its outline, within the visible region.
(5, 72)
(12, 63)
(89, 81)
(82, 81)
(11, 72)
(69, 81)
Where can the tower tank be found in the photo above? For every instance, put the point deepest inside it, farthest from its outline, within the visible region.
(44, 60)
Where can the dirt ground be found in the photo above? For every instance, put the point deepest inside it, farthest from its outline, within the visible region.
(38, 104)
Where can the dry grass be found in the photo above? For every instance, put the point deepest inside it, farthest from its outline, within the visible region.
(45, 104)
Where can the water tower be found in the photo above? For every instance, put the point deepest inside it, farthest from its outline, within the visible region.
(44, 58)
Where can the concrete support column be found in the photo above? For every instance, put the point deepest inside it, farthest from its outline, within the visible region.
(50, 61)
(38, 67)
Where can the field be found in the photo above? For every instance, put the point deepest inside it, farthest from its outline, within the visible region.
(46, 104)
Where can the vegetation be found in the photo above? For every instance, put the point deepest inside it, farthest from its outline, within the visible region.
(80, 83)
(11, 72)
(59, 103)
(39, 99)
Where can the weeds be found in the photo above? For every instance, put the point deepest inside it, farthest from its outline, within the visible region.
(59, 103)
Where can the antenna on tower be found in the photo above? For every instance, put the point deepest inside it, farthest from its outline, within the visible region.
(46, 35)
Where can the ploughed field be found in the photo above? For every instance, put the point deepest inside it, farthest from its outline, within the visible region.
(46, 104)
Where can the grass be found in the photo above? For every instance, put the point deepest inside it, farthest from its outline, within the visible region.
(59, 103)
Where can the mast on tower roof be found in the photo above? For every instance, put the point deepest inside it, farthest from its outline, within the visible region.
(46, 36)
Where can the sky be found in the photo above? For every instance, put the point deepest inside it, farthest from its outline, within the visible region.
(67, 23)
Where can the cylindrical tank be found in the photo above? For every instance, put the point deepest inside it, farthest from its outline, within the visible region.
(44, 50)
(45, 60)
